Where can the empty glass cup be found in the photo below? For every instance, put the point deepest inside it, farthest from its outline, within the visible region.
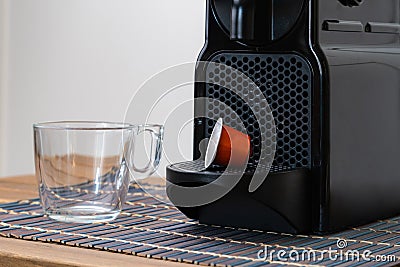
(83, 167)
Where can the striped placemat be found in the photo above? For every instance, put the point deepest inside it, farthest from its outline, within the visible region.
(149, 228)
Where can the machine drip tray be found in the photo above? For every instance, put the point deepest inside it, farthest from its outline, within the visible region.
(194, 172)
(283, 203)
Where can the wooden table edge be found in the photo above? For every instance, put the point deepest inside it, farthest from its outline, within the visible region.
(17, 252)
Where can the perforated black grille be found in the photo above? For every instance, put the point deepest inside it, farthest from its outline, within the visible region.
(285, 81)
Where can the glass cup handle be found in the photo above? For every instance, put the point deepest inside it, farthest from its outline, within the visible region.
(155, 153)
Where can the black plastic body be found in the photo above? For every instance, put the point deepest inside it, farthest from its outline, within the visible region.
(353, 177)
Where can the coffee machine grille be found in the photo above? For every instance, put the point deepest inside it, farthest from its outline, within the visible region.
(285, 81)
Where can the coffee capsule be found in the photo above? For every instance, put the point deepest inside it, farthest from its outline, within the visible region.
(227, 146)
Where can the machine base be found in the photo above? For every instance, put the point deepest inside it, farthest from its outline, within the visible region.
(281, 204)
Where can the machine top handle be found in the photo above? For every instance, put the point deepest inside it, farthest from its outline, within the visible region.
(351, 3)
(257, 22)
(252, 20)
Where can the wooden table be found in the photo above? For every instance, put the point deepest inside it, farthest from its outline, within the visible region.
(15, 252)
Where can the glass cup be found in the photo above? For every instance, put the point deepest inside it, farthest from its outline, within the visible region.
(84, 168)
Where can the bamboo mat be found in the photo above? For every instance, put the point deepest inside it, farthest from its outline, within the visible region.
(150, 228)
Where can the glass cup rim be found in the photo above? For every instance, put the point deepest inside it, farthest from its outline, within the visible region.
(89, 125)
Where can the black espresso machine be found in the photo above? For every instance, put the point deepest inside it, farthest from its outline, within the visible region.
(330, 71)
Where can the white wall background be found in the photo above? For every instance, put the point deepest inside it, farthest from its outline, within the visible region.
(83, 60)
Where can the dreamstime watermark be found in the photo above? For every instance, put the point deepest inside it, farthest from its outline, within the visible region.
(269, 253)
(171, 84)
